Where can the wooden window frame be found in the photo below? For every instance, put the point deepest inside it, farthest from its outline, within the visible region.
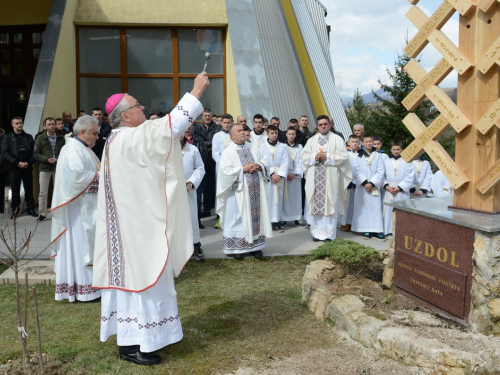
(175, 75)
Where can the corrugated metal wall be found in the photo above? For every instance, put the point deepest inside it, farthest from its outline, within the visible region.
(288, 93)
(310, 17)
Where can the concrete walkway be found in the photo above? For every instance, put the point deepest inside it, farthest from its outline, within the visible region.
(295, 241)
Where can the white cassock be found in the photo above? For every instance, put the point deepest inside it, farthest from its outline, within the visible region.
(242, 197)
(397, 173)
(219, 143)
(278, 162)
(346, 218)
(441, 187)
(194, 170)
(423, 177)
(326, 183)
(74, 204)
(258, 140)
(292, 190)
(143, 235)
(367, 215)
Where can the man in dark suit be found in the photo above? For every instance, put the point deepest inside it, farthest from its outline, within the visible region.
(104, 131)
(17, 151)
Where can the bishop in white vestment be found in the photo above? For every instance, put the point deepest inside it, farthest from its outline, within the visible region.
(441, 187)
(367, 215)
(194, 170)
(399, 178)
(423, 178)
(328, 173)
(74, 205)
(144, 235)
(242, 197)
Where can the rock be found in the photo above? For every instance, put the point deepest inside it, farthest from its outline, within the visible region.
(338, 311)
(494, 309)
(388, 278)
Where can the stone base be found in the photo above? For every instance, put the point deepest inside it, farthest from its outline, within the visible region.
(395, 340)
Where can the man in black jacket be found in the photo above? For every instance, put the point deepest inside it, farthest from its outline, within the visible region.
(293, 123)
(104, 131)
(207, 131)
(17, 151)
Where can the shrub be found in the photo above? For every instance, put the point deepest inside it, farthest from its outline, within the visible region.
(351, 256)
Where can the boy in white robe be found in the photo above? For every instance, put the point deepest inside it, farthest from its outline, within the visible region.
(278, 159)
(377, 145)
(441, 187)
(292, 190)
(367, 215)
(194, 170)
(242, 195)
(74, 205)
(258, 135)
(328, 173)
(399, 177)
(423, 178)
(346, 218)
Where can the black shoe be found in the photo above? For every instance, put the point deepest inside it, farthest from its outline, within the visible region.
(283, 223)
(278, 228)
(198, 254)
(327, 240)
(238, 256)
(32, 213)
(41, 218)
(258, 254)
(379, 236)
(205, 214)
(140, 358)
(367, 236)
(200, 225)
(315, 239)
(300, 225)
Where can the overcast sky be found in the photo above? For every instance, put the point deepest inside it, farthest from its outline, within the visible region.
(366, 36)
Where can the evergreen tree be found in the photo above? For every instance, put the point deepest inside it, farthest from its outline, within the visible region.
(357, 112)
(386, 120)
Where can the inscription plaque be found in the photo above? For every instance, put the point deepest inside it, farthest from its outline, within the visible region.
(433, 263)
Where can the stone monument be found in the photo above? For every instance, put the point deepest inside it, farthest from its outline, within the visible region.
(446, 250)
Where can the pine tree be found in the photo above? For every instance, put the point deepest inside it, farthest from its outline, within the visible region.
(386, 120)
(357, 112)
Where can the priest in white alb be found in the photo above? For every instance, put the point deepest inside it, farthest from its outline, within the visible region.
(242, 197)
(194, 170)
(74, 204)
(328, 173)
(143, 236)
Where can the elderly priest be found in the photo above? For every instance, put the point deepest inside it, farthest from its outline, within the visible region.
(74, 205)
(143, 235)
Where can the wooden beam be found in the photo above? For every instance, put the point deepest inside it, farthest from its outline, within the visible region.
(440, 41)
(437, 153)
(489, 119)
(486, 5)
(464, 7)
(434, 77)
(413, 2)
(490, 179)
(490, 57)
(436, 21)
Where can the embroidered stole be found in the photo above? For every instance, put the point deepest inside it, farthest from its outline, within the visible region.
(246, 157)
(320, 182)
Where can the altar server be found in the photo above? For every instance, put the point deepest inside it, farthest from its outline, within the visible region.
(423, 178)
(441, 187)
(346, 218)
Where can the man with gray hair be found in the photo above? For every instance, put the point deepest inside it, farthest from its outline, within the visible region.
(143, 233)
(359, 130)
(74, 204)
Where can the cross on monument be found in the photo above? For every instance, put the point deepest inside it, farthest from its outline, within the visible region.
(475, 173)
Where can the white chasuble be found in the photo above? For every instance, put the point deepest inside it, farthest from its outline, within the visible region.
(367, 215)
(242, 200)
(194, 170)
(74, 206)
(397, 173)
(326, 183)
(441, 187)
(423, 176)
(292, 190)
(278, 160)
(144, 235)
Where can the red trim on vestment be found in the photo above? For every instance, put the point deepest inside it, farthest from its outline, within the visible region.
(64, 231)
(71, 200)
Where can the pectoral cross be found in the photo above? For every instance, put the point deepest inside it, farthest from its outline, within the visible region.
(272, 156)
(395, 170)
(418, 173)
(369, 163)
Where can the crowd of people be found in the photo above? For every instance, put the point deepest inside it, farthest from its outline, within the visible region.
(120, 228)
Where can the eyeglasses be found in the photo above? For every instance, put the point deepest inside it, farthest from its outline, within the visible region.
(137, 105)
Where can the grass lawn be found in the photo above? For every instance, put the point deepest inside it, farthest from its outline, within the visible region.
(234, 314)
